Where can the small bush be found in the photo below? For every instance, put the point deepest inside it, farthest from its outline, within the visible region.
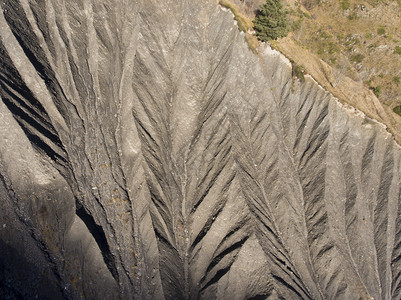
(376, 90)
(299, 12)
(323, 34)
(397, 110)
(298, 71)
(357, 58)
(368, 35)
(381, 30)
(296, 25)
(353, 16)
(397, 50)
(396, 79)
(333, 48)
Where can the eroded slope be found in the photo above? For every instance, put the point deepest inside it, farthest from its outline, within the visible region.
(147, 152)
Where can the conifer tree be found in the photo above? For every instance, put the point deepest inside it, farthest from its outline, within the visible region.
(271, 21)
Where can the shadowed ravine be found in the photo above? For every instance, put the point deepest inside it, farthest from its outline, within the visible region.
(146, 153)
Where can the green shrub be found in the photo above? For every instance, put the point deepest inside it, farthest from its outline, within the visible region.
(299, 12)
(397, 50)
(381, 30)
(397, 110)
(396, 79)
(376, 90)
(357, 58)
(271, 21)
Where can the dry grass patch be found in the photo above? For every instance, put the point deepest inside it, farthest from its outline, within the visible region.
(244, 23)
(252, 41)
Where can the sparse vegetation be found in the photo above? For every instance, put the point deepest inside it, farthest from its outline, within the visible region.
(368, 35)
(252, 42)
(374, 3)
(326, 46)
(348, 38)
(345, 4)
(353, 16)
(271, 21)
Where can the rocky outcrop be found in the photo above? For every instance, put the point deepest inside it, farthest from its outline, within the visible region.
(146, 153)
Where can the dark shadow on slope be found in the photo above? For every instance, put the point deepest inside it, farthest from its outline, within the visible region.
(21, 279)
(100, 238)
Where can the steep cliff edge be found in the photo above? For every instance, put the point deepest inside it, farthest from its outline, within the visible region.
(147, 153)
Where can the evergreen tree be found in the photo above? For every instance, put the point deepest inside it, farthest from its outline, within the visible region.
(271, 21)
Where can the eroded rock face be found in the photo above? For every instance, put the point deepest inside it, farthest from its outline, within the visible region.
(147, 153)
